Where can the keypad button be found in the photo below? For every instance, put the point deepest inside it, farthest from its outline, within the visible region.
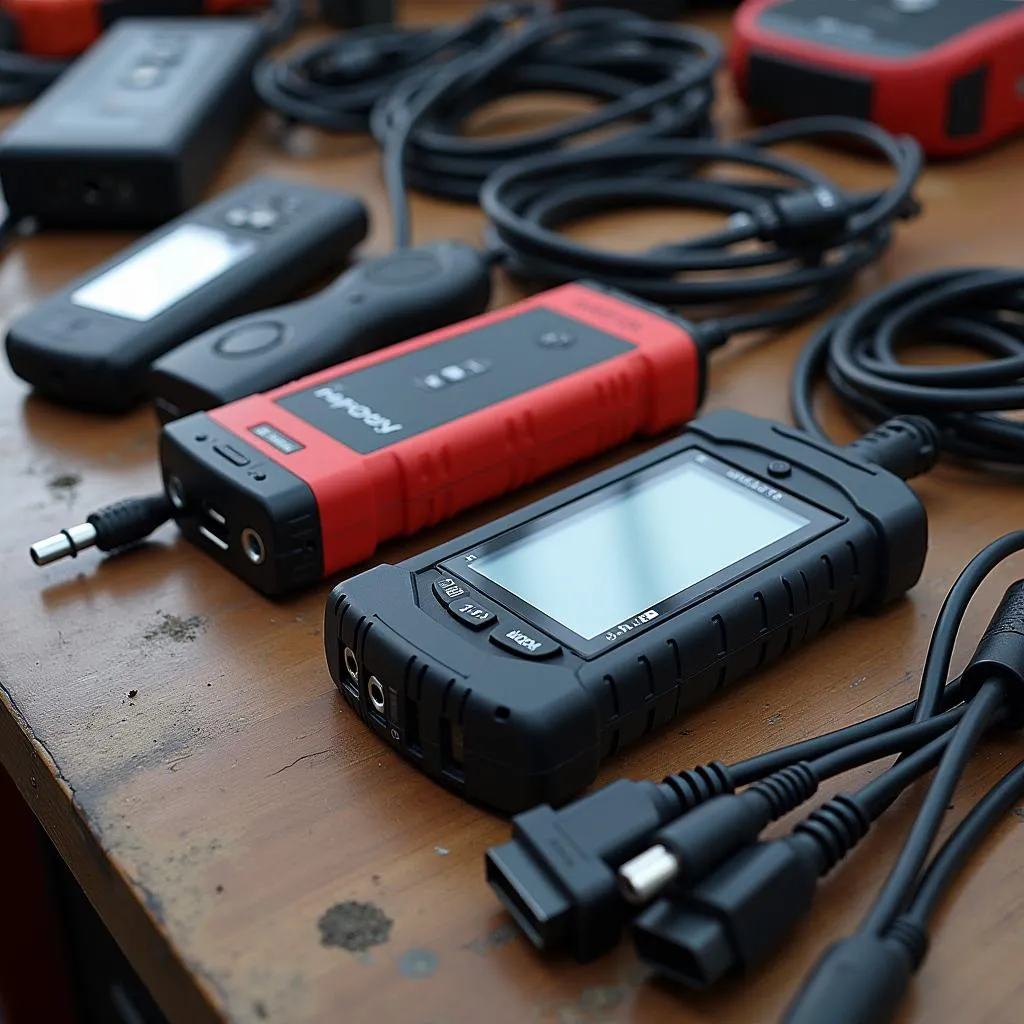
(250, 339)
(233, 455)
(471, 614)
(447, 590)
(523, 640)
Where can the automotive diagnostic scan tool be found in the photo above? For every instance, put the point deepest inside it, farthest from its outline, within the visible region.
(946, 72)
(292, 485)
(510, 662)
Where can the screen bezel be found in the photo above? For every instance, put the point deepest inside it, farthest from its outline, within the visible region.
(820, 522)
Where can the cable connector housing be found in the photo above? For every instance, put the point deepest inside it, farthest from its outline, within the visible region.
(809, 217)
(1000, 654)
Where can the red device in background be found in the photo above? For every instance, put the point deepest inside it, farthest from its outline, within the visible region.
(291, 486)
(65, 28)
(948, 72)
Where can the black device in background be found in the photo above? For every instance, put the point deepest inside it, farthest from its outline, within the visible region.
(133, 132)
(92, 343)
(509, 663)
(377, 303)
(356, 13)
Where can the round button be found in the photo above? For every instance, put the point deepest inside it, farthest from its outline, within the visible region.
(779, 469)
(556, 339)
(250, 339)
(403, 268)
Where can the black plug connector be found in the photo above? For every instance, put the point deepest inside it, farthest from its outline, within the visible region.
(1000, 654)
(742, 912)
(115, 526)
(557, 875)
(860, 980)
(691, 847)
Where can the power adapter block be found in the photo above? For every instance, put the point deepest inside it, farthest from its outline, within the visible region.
(132, 133)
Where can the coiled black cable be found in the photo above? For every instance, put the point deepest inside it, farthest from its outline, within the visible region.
(415, 89)
(859, 352)
(814, 235)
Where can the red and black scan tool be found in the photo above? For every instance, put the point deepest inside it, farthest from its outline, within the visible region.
(290, 486)
(948, 72)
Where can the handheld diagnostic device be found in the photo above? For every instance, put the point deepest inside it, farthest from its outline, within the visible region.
(376, 303)
(287, 487)
(509, 663)
(132, 133)
(948, 73)
(92, 343)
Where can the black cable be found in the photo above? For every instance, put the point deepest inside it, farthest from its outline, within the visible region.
(334, 84)
(416, 89)
(951, 616)
(744, 772)
(958, 848)
(894, 741)
(900, 883)
(859, 352)
(814, 235)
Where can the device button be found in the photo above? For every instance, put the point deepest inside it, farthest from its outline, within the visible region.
(233, 455)
(471, 614)
(779, 469)
(248, 340)
(524, 640)
(556, 339)
(263, 218)
(143, 76)
(447, 590)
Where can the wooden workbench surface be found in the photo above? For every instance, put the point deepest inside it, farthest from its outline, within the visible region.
(179, 738)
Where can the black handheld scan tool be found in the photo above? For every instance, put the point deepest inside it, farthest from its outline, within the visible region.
(91, 344)
(376, 303)
(510, 662)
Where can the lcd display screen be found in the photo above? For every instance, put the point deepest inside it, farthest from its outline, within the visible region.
(647, 541)
(163, 273)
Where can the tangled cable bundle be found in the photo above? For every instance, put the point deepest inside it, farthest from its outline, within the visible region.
(977, 308)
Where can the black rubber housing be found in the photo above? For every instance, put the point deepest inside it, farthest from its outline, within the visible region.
(509, 732)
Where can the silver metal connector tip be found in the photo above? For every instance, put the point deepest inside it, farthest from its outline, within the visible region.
(643, 877)
(65, 544)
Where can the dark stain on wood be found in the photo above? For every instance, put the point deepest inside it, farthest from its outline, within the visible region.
(496, 938)
(354, 926)
(175, 628)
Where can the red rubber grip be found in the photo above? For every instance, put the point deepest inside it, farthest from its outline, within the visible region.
(366, 499)
(909, 95)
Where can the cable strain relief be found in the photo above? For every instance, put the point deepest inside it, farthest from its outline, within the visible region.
(906, 446)
(788, 788)
(698, 785)
(836, 827)
(129, 521)
(912, 937)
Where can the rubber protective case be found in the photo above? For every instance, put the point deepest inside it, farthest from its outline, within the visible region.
(510, 732)
(948, 74)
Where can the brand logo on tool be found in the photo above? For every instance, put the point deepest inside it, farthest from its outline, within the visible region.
(338, 400)
(519, 637)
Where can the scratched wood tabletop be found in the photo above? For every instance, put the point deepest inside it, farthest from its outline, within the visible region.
(180, 740)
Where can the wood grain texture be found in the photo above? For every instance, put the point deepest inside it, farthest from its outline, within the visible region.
(215, 816)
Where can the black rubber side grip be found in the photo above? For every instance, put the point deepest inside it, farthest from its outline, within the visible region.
(377, 303)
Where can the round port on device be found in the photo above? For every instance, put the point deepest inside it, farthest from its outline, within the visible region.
(176, 493)
(375, 691)
(351, 664)
(252, 545)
